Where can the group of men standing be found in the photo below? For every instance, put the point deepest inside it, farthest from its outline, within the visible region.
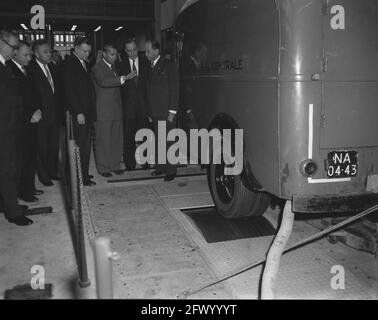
(119, 97)
(116, 98)
(29, 123)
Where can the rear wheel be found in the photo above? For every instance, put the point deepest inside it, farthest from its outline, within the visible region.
(231, 197)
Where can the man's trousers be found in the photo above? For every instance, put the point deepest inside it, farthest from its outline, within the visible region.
(109, 145)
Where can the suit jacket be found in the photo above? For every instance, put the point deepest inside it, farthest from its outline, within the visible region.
(80, 94)
(30, 98)
(107, 84)
(134, 92)
(162, 89)
(10, 122)
(50, 100)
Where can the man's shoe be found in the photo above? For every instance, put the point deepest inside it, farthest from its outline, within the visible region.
(21, 221)
(130, 168)
(106, 175)
(146, 166)
(47, 183)
(157, 173)
(90, 176)
(89, 183)
(23, 207)
(169, 177)
(30, 200)
(38, 192)
(118, 172)
(55, 178)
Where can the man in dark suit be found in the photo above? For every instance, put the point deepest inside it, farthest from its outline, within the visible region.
(81, 100)
(10, 123)
(109, 124)
(133, 99)
(31, 116)
(46, 82)
(162, 98)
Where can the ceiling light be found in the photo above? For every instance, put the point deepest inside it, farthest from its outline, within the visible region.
(119, 28)
(23, 26)
(98, 28)
(74, 27)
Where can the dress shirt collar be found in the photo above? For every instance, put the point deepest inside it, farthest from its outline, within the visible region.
(81, 60)
(42, 66)
(107, 63)
(136, 60)
(196, 63)
(2, 60)
(156, 61)
(18, 65)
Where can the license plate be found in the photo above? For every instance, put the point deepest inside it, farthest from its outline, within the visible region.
(342, 164)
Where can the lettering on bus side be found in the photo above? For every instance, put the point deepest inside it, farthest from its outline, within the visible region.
(225, 65)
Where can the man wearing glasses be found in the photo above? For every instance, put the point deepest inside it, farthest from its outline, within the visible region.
(10, 122)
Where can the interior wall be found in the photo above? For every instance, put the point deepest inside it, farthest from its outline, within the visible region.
(169, 9)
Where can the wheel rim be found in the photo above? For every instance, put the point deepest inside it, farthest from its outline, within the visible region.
(224, 184)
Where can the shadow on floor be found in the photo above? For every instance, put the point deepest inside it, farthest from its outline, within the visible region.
(215, 228)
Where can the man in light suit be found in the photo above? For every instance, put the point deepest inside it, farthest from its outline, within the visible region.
(133, 98)
(109, 126)
(81, 101)
(162, 98)
(10, 122)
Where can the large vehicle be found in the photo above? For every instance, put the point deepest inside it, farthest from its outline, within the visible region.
(301, 79)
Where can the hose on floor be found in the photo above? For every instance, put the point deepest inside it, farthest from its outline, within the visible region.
(300, 243)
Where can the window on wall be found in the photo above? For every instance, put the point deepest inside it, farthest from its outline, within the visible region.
(65, 39)
(30, 35)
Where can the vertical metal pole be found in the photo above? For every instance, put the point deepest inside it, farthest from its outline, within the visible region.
(68, 126)
(77, 218)
(103, 265)
(82, 256)
(74, 183)
(275, 252)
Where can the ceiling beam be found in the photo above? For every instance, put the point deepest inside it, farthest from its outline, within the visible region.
(80, 17)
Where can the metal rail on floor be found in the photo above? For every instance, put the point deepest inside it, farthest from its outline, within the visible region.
(270, 291)
(184, 175)
(83, 221)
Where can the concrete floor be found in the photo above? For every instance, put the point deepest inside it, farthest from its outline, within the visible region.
(164, 255)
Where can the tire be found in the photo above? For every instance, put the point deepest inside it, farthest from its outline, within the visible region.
(232, 199)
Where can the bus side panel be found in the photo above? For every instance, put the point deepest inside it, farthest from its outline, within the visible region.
(253, 106)
(301, 49)
(239, 76)
(295, 98)
(350, 82)
(298, 100)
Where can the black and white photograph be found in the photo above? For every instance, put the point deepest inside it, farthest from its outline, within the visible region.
(189, 155)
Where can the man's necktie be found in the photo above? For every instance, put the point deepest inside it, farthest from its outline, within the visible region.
(49, 78)
(84, 65)
(135, 69)
(114, 69)
(152, 65)
(134, 66)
